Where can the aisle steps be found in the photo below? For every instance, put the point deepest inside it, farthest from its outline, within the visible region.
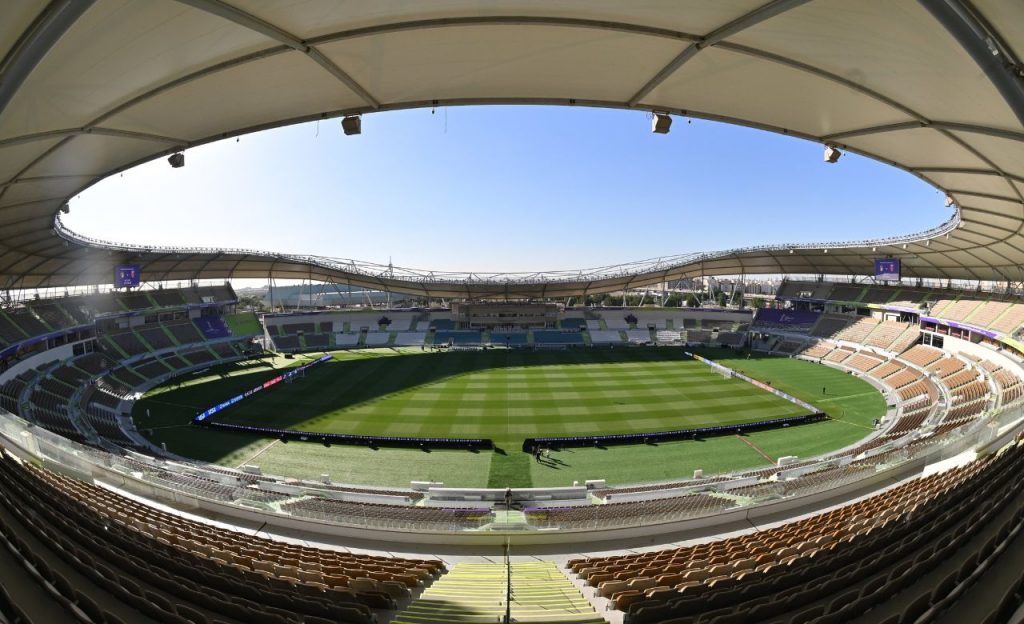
(474, 593)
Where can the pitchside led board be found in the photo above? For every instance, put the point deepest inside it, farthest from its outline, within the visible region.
(887, 269)
(126, 276)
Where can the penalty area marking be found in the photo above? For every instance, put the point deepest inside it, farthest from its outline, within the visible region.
(754, 446)
(258, 453)
(852, 424)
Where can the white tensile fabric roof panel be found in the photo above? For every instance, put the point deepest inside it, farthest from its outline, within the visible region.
(740, 86)
(258, 92)
(919, 147)
(103, 153)
(987, 184)
(124, 81)
(897, 56)
(1005, 153)
(117, 50)
(549, 62)
(14, 158)
(317, 18)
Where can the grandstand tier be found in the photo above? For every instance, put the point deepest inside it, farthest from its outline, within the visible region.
(84, 399)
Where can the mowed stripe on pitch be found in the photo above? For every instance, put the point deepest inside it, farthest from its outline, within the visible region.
(499, 394)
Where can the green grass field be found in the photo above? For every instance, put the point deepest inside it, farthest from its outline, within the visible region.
(508, 396)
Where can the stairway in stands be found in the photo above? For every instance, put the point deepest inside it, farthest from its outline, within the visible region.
(472, 593)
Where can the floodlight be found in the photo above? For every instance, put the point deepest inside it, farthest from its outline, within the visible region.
(353, 124)
(65, 209)
(177, 160)
(832, 154)
(949, 201)
(661, 123)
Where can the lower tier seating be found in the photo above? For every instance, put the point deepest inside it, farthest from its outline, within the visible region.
(139, 564)
(834, 567)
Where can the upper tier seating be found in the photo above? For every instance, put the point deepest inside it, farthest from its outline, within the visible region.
(998, 312)
(184, 332)
(52, 315)
(886, 333)
(877, 295)
(605, 336)
(574, 323)
(209, 294)
(957, 310)
(168, 298)
(845, 292)
(297, 328)
(615, 320)
(987, 313)
(126, 342)
(858, 331)
(1011, 320)
(830, 325)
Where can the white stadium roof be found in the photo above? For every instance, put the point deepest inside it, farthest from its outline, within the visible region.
(92, 87)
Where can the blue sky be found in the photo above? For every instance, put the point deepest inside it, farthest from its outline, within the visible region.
(506, 189)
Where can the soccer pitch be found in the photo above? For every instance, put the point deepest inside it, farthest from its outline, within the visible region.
(508, 396)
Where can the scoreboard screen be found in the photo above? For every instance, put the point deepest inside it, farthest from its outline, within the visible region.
(887, 269)
(126, 275)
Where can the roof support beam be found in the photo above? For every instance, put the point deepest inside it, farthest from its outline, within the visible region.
(35, 43)
(1006, 198)
(739, 24)
(969, 171)
(984, 47)
(938, 125)
(247, 20)
(71, 132)
(51, 178)
(896, 127)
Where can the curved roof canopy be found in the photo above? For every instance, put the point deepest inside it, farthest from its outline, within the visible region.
(91, 87)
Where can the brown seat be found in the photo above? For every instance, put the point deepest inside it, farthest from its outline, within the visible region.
(622, 600)
(607, 588)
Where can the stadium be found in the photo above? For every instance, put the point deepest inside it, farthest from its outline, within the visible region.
(561, 446)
